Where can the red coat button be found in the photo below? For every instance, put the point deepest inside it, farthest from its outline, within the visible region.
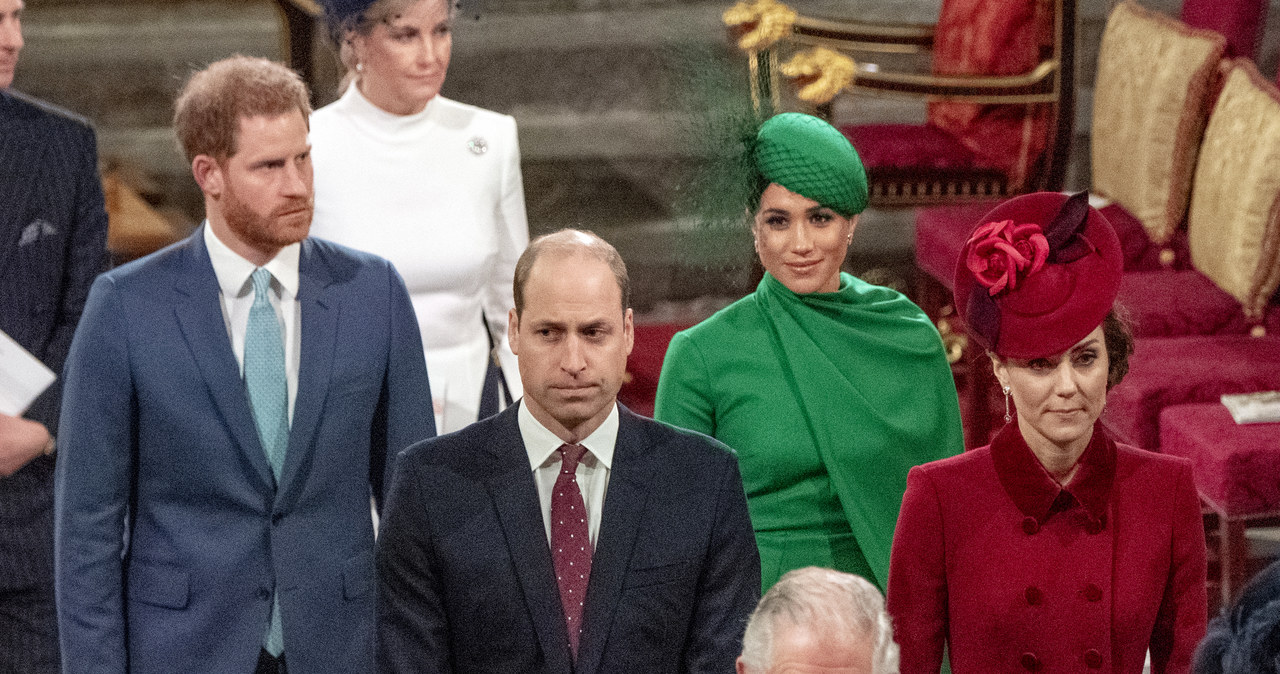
(1034, 595)
(1030, 526)
(1031, 663)
(1093, 659)
(1092, 592)
(1093, 527)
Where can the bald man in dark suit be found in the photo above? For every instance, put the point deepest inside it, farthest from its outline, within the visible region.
(566, 535)
(53, 232)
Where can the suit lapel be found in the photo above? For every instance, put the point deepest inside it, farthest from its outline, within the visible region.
(515, 496)
(200, 317)
(319, 323)
(629, 482)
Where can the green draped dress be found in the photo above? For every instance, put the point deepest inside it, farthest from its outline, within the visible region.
(828, 399)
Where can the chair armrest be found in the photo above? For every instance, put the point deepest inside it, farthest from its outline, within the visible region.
(1036, 86)
(896, 38)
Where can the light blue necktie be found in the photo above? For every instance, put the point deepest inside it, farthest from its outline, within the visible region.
(268, 388)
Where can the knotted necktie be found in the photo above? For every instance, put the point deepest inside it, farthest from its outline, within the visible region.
(570, 542)
(264, 377)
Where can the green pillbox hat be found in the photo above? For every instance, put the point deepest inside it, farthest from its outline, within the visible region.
(813, 159)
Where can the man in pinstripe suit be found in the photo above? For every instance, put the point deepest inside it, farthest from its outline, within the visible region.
(52, 244)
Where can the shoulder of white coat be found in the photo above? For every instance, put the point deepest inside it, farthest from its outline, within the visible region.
(465, 117)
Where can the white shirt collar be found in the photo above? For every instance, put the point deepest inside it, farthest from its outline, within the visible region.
(541, 443)
(233, 271)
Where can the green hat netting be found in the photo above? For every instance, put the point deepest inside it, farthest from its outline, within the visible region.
(813, 159)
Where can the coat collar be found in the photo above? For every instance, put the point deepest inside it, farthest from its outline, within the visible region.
(1035, 493)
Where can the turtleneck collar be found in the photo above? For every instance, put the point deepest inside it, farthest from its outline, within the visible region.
(379, 121)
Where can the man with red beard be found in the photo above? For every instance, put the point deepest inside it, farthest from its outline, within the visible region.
(230, 404)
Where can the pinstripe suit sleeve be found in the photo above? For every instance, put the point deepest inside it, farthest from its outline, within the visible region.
(86, 258)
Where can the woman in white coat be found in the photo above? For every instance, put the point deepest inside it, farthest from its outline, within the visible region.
(429, 183)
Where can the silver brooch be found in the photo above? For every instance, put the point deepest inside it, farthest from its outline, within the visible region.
(478, 145)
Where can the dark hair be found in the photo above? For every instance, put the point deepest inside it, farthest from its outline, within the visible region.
(1246, 638)
(207, 114)
(1119, 342)
(566, 242)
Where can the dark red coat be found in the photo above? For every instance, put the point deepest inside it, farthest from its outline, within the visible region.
(1019, 574)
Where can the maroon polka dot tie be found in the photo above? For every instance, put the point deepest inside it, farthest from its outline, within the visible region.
(570, 542)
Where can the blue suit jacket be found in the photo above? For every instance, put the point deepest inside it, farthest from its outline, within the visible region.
(466, 580)
(171, 536)
(53, 235)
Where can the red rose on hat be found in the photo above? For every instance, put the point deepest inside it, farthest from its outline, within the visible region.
(1001, 252)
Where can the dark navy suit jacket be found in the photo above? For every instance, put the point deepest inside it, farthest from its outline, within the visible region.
(171, 536)
(53, 234)
(466, 580)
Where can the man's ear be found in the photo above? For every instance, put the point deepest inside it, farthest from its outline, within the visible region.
(513, 331)
(999, 369)
(208, 175)
(628, 329)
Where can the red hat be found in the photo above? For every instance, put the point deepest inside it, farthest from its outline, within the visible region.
(1038, 275)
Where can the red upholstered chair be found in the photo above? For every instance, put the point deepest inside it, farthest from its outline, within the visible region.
(1202, 331)
(1168, 371)
(1169, 403)
(1233, 230)
(1000, 98)
(1156, 77)
(1233, 225)
(1236, 469)
(640, 386)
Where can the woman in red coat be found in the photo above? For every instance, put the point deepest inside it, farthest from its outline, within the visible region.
(1053, 549)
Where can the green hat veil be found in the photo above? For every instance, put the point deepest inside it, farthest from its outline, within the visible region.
(813, 159)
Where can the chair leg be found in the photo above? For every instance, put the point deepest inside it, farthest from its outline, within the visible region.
(1233, 557)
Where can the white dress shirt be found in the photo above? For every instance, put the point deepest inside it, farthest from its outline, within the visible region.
(593, 469)
(235, 290)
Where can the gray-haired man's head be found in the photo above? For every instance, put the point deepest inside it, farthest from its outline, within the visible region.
(819, 620)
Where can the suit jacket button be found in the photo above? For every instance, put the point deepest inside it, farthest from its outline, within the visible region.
(275, 518)
(1092, 592)
(1034, 595)
(1030, 662)
(1030, 526)
(264, 594)
(1093, 659)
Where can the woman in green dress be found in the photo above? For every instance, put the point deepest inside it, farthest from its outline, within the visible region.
(828, 387)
